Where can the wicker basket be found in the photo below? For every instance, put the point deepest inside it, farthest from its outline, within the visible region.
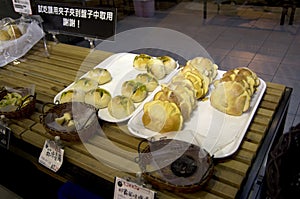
(186, 173)
(86, 129)
(21, 111)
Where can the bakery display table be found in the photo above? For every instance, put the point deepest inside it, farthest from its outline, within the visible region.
(236, 176)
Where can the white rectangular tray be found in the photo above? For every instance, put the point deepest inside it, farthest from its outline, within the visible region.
(219, 133)
(120, 66)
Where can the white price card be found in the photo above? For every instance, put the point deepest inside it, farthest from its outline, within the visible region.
(51, 155)
(22, 6)
(125, 189)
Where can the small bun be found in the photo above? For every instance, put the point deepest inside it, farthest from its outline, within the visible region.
(85, 84)
(98, 97)
(156, 67)
(134, 90)
(4, 36)
(149, 80)
(120, 106)
(101, 75)
(140, 62)
(14, 31)
(72, 95)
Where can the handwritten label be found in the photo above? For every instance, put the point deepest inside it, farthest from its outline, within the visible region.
(51, 155)
(4, 136)
(128, 190)
(99, 22)
(22, 6)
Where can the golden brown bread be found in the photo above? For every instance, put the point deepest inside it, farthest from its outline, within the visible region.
(162, 116)
(231, 98)
(4, 36)
(14, 31)
(233, 91)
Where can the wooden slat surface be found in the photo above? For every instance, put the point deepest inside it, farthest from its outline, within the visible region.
(65, 64)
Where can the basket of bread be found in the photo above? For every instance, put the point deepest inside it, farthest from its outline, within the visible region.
(175, 165)
(72, 121)
(17, 37)
(18, 102)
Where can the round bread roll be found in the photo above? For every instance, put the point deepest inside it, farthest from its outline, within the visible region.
(162, 116)
(85, 84)
(14, 31)
(205, 66)
(169, 63)
(72, 95)
(4, 36)
(101, 75)
(148, 80)
(120, 106)
(98, 97)
(231, 98)
(140, 61)
(199, 81)
(134, 90)
(156, 67)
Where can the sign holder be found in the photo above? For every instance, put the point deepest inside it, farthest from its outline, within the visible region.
(91, 23)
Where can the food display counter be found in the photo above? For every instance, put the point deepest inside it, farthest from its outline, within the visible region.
(234, 176)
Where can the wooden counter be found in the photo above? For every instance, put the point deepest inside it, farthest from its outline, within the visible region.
(66, 62)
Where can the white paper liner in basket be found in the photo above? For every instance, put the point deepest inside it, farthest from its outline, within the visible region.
(16, 48)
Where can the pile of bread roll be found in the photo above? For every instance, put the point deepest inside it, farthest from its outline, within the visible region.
(86, 89)
(159, 67)
(10, 32)
(233, 92)
(174, 103)
(132, 91)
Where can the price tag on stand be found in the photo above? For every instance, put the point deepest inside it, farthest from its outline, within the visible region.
(125, 189)
(22, 6)
(51, 155)
(4, 136)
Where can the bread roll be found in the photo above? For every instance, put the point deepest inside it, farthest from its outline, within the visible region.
(169, 63)
(14, 31)
(157, 68)
(162, 116)
(85, 84)
(72, 95)
(98, 97)
(101, 75)
(136, 91)
(140, 61)
(120, 107)
(4, 36)
(205, 66)
(230, 97)
(199, 81)
(148, 80)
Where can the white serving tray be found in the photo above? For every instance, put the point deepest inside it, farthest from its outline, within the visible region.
(120, 66)
(220, 134)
